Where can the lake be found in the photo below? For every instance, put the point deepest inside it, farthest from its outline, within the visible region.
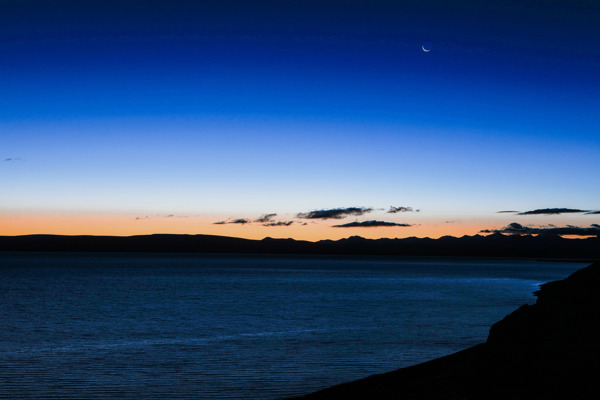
(189, 326)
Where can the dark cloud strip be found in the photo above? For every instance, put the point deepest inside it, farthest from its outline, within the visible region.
(279, 223)
(266, 218)
(334, 213)
(369, 224)
(593, 212)
(507, 212)
(515, 228)
(240, 221)
(394, 210)
(550, 211)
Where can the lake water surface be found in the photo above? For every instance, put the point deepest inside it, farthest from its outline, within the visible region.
(176, 326)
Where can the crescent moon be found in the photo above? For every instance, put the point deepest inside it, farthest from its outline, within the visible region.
(425, 50)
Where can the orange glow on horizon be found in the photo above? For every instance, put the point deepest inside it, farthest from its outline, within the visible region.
(128, 225)
(312, 230)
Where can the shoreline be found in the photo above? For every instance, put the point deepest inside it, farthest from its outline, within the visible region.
(540, 351)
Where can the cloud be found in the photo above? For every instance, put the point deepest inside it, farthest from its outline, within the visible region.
(593, 212)
(334, 213)
(507, 212)
(548, 211)
(279, 223)
(515, 228)
(394, 210)
(12, 159)
(266, 218)
(241, 221)
(161, 216)
(369, 224)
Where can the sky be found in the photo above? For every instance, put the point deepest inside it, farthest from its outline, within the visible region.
(208, 117)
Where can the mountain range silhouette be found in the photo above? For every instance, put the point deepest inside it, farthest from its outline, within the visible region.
(495, 245)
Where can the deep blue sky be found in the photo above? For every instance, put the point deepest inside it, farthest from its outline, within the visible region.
(233, 109)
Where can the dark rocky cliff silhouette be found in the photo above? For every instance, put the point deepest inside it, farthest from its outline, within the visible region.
(495, 245)
(549, 350)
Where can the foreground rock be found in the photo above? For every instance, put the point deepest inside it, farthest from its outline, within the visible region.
(547, 350)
